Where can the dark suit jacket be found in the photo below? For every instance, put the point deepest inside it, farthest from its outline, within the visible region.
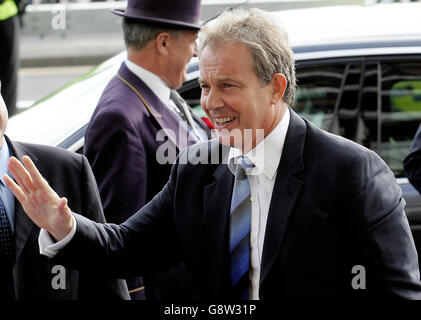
(121, 146)
(412, 163)
(68, 174)
(335, 205)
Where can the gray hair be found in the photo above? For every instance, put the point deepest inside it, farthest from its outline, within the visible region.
(267, 41)
(137, 34)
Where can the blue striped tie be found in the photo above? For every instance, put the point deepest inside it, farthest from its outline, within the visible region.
(240, 221)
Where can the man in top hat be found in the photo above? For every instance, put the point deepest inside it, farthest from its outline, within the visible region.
(122, 139)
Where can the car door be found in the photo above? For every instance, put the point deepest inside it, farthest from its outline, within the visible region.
(391, 98)
(374, 101)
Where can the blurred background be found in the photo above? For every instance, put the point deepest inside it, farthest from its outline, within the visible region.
(62, 40)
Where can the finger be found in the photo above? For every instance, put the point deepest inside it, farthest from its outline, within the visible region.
(21, 175)
(14, 188)
(37, 178)
(17, 178)
(62, 204)
(21, 184)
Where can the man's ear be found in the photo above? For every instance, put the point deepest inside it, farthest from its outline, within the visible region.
(279, 84)
(163, 42)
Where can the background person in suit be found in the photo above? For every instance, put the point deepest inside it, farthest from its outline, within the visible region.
(303, 214)
(412, 163)
(121, 141)
(24, 274)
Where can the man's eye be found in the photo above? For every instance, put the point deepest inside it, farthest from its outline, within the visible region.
(227, 85)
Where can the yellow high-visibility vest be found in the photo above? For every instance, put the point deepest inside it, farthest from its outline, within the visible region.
(8, 9)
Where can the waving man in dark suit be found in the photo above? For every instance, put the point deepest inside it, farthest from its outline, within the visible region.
(274, 208)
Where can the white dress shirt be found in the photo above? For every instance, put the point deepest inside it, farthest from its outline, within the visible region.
(265, 156)
(155, 83)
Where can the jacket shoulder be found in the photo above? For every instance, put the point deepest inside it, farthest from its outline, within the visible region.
(329, 145)
(118, 96)
(49, 155)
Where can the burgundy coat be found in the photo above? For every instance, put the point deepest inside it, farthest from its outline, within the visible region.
(121, 145)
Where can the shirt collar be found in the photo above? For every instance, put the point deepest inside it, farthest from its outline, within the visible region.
(155, 83)
(4, 159)
(267, 154)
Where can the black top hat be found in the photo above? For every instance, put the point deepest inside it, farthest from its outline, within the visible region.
(176, 13)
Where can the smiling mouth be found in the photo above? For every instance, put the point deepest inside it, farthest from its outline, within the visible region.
(223, 121)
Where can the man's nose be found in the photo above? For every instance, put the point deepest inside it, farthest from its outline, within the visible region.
(214, 100)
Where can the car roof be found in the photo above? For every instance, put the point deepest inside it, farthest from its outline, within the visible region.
(315, 33)
(343, 27)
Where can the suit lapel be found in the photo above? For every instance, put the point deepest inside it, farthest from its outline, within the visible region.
(23, 224)
(217, 199)
(167, 120)
(287, 187)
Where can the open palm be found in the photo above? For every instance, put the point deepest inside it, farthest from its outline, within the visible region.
(40, 202)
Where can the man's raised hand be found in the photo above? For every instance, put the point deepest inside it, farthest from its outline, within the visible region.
(40, 202)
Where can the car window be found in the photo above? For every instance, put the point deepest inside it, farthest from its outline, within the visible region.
(347, 99)
(348, 115)
(368, 125)
(394, 89)
(191, 91)
(401, 110)
(317, 92)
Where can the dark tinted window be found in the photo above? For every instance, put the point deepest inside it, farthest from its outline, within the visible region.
(401, 110)
(367, 126)
(317, 92)
(191, 92)
(329, 95)
(393, 91)
(349, 103)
